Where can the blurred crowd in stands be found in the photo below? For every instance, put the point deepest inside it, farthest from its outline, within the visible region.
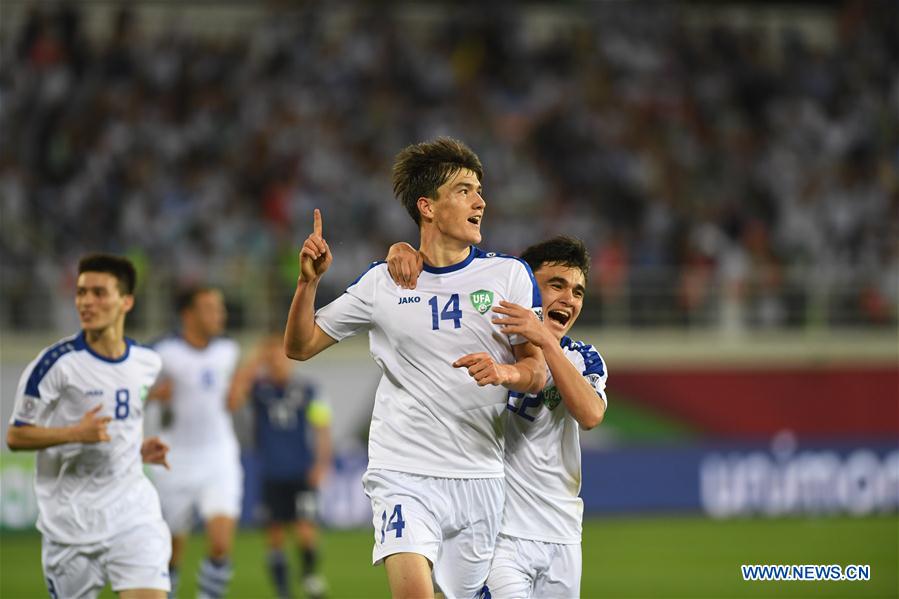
(719, 174)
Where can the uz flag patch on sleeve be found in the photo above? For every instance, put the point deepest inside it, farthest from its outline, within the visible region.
(481, 300)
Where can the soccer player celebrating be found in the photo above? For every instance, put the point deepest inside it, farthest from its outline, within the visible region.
(206, 475)
(293, 444)
(80, 405)
(435, 473)
(538, 553)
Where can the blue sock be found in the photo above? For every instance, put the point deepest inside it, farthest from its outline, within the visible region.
(277, 567)
(215, 574)
(173, 581)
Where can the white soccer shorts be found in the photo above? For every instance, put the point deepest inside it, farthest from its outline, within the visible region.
(523, 568)
(135, 559)
(216, 490)
(452, 522)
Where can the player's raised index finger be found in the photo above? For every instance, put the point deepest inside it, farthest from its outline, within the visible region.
(317, 221)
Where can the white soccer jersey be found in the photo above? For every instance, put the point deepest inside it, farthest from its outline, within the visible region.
(430, 418)
(543, 457)
(200, 423)
(89, 492)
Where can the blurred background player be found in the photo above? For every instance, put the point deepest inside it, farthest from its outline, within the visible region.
(435, 465)
(80, 405)
(293, 444)
(538, 553)
(206, 476)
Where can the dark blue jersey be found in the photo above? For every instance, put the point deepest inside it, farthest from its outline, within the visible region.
(285, 415)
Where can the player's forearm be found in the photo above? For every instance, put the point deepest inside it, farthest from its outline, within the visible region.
(579, 397)
(300, 330)
(30, 437)
(239, 390)
(236, 399)
(323, 449)
(161, 391)
(531, 375)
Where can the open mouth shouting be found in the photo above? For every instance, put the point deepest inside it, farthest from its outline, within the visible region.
(476, 219)
(560, 316)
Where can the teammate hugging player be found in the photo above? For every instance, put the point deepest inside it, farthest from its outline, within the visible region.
(435, 475)
(538, 553)
(80, 405)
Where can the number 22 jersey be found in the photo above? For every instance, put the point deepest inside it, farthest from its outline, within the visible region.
(430, 418)
(543, 456)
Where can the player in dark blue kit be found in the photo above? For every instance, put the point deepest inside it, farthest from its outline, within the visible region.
(293, 442)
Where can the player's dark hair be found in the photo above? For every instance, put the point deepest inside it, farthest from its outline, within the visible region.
(121, 268)
(419, 169)
(185, 297)
(562, 250)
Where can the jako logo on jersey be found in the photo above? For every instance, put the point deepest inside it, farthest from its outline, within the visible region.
(409, 300)
(94, 392)
(482, 300)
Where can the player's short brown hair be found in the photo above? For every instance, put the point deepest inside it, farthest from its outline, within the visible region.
(419, 169)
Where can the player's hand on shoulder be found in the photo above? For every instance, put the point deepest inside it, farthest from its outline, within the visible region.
(154, 451)
(92, 427)
(519, 320)
(404, 263)
(315, 255)
(485, 370)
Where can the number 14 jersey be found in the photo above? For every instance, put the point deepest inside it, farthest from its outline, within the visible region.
(430, 418)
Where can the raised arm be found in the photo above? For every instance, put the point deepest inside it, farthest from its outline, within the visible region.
(90, 429)
(304, 339)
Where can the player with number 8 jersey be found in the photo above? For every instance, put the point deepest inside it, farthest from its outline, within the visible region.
(64, 382)
(80, 404)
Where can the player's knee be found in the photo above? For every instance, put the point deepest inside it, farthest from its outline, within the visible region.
(219, 549)
(306, 532)
(220, 546)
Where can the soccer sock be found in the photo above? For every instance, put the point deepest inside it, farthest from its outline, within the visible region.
(215, 574)
(308, 557)
(277, 567)
(173, 581)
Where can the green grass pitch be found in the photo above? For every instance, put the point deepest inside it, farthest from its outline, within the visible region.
(689, 557)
